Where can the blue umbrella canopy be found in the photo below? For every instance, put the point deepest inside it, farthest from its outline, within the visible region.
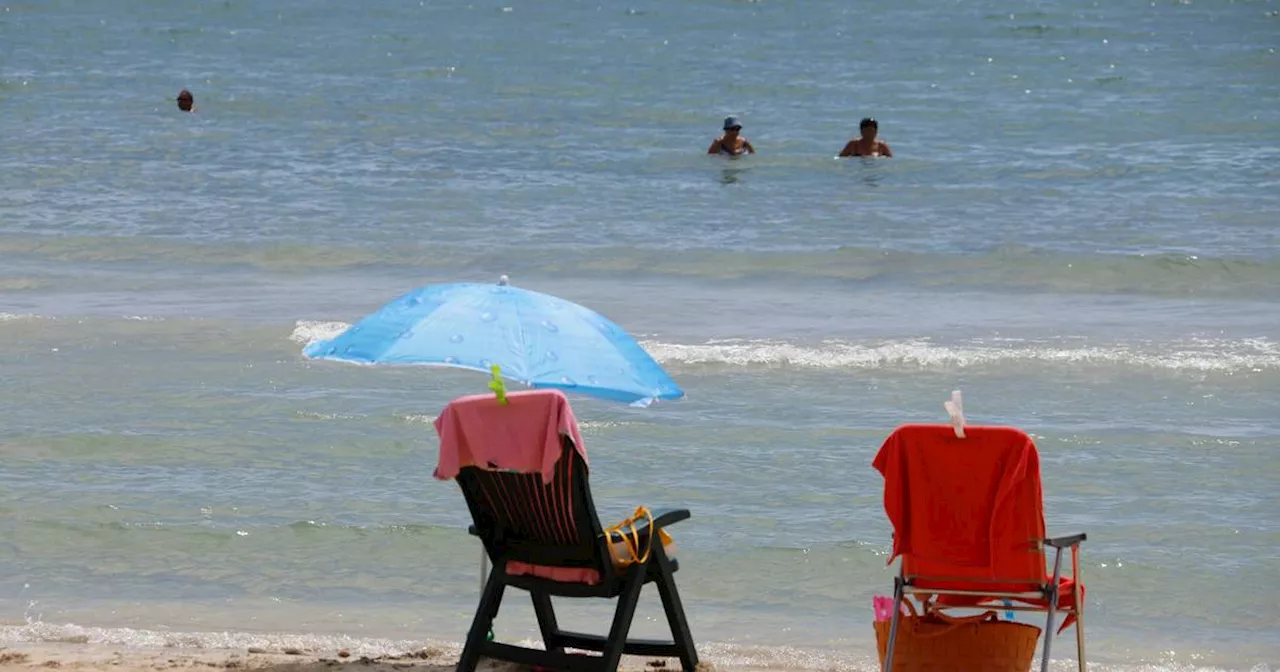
(536, 339)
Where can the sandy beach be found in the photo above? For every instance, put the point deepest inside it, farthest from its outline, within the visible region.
(91, 657)
(96, 657)
(443, 658)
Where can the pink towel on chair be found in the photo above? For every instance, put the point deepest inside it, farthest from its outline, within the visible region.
(524, 436)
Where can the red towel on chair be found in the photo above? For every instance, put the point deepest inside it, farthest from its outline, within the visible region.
(966, 508)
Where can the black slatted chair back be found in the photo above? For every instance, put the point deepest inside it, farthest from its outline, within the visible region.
(519, 517)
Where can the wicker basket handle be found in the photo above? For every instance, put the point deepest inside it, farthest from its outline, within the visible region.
(986, 616)
(957, 622)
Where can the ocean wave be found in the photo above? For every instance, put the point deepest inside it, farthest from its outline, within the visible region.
(307, 332)
(1250, 355)
(586, 426)
(1193, 355)
(1006, 268)
(311, 415)
(36, 631)
(20, 284)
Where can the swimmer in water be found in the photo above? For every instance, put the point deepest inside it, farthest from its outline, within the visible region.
(868, 144)
(186, 101)
(731, 144)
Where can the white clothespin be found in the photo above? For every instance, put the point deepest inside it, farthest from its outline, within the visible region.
(955, 409)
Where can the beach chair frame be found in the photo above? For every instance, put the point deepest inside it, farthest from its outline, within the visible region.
(518, 517)
(906, 585)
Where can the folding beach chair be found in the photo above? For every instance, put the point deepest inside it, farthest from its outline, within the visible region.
(532, 510)
(968, 522)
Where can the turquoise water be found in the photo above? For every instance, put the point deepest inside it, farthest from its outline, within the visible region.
(1079, 229)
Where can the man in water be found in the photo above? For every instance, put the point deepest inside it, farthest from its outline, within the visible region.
(731, 144)
(867, 144)
(186, 101)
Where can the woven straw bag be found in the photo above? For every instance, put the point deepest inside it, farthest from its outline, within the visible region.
(937, 642)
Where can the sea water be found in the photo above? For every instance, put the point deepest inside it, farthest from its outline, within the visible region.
(1078, 230)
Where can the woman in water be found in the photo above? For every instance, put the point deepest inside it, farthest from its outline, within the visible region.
(867, 144)
(731, 144)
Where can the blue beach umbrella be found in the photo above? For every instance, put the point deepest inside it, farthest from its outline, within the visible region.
(534, 338)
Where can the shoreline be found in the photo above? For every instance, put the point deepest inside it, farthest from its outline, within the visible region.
(42, 646)
(87, 657)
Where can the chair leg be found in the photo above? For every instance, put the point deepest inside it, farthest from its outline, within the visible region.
(898, 594)
(1053, 610)
(1080, 641)
(1079, 604)
(547, 621)
(671, 604)
(622, 618)
(483, 621)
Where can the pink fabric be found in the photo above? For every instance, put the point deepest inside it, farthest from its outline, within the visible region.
(581, 575)
(524, 436)
(589, 577)
(883, 608)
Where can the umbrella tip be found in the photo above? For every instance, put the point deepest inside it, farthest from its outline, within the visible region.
(504, 280)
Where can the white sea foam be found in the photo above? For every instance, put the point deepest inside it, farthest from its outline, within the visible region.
(311, 415)
(41, 632)
(1197, 355)
(1252, 355)
(307, 332)
(20, 284)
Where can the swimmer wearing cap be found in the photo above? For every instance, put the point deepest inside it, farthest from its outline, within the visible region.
(731, 143)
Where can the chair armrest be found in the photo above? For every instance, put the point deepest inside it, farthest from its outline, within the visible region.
(1067, 541)
(661, 519)
(668, 517)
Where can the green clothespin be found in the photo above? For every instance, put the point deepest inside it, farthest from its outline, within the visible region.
(499, 388)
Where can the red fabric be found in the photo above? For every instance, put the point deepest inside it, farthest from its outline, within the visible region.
(522, 436)
(967, 510)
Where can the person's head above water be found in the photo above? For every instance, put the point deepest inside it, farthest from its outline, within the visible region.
(867, 144)
(869, 127)
(186, 101)
(731, 142)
